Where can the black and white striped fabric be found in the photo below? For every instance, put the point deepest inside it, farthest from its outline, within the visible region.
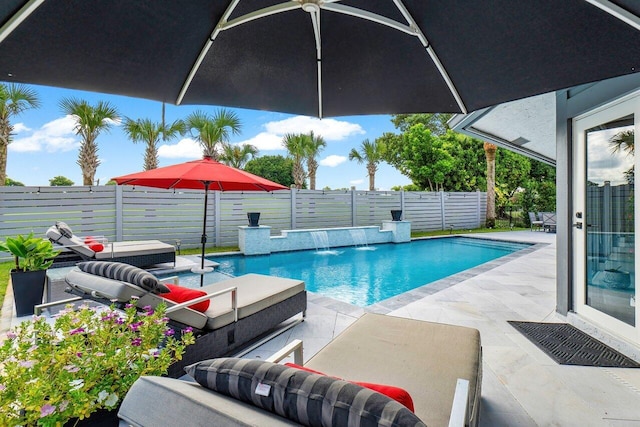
(125, 273)
(303, 397)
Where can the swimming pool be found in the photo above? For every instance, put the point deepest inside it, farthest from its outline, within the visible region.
(366, 275)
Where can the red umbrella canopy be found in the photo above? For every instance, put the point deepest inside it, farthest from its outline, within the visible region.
(195, 175)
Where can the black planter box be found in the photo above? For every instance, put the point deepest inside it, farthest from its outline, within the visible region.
(28, 288)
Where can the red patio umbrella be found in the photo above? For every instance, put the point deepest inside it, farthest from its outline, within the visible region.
(200, 174)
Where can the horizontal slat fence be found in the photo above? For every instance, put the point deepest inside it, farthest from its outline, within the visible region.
(140, 213)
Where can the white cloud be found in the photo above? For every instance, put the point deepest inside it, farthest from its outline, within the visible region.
(265, 141)
(329, 129)
(356, 181)
(56, 135)
(333, 160)
(20, 127)
(186, 148)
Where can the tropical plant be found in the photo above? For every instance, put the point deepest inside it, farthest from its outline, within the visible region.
(87, 359)
(315, 145)
(31, 253)
(11, 183)
(150, 133)
(212, 130)
(14, 99)
(274, 168)
(90, 122)
(490, 153)
(58, 181)
(237, 156)
(297, 148)
(372, 154)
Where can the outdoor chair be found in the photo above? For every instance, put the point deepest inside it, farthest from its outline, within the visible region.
(141, 253)
(535, 223)
(241, 309)
(434, 367)
(549, 221)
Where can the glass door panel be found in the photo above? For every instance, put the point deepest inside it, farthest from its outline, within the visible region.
(609, 225)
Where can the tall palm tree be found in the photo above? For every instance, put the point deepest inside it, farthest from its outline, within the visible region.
(297, 147)
(490, 155)
(315, 145)
(90, 122)
(623, 141)
(212, 130)
(237, 156)
(372, 154)
(14, 99)
(144, 130)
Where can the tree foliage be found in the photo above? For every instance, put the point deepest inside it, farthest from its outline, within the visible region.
(150, 133)
(14, 99)
(60, 181)
(274, 168)
(213, 130)
(437, 158)
(237, 156)
(91, 120)
(372, 154)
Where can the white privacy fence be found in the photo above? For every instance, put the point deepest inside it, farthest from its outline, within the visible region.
(141, 213)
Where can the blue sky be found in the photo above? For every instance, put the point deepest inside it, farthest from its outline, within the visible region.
(45, 145)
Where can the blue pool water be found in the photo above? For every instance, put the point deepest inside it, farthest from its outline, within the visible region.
(364, 276)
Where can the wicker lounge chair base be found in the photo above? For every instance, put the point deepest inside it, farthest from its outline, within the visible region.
(233, 337)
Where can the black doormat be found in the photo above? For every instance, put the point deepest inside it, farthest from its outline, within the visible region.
(568, 345)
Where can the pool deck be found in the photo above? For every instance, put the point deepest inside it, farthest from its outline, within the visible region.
(521, 385)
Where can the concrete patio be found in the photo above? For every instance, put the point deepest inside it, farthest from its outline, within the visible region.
(522, 386)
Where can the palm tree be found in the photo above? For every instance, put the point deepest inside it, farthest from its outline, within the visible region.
(370, 153)
(314, 147)
(490, 154)
(14, 99)
(90, 122)
(623, 141)
(297, 147)
(237, 156)
(144, 130)
(210, 131)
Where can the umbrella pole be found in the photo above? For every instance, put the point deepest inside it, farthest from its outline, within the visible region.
(203, 239)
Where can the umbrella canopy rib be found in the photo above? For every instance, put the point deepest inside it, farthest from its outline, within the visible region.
(222, 25)
(617, 11)
(18, 18)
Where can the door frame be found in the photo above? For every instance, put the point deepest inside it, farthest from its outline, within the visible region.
(621, 107)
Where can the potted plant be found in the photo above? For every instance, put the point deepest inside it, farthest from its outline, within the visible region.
(77, 369)
(33, 256)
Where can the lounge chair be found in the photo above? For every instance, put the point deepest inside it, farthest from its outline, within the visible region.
(242, 309)
(535, 223)
(141, 253)
(549, 221)
(439, 365)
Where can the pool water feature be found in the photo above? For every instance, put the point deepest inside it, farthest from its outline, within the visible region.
(362, 277)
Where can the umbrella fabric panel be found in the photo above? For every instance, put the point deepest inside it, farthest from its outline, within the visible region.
(494, 51)
(138, 48)
(193, 175)
(523, 48)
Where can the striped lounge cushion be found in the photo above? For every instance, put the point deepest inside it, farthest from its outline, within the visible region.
(303, 397)
(125, 273)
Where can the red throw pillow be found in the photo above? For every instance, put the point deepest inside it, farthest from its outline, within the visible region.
(396, 393)
(93, 244)
(180, 294)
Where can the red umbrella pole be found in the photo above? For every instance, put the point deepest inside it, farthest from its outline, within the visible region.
(203, 239)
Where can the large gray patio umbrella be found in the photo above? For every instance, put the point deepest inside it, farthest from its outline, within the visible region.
(320, 57)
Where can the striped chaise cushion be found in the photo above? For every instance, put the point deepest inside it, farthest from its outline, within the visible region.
(125, 273)
(304, 397)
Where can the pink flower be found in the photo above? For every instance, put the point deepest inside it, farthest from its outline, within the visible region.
(11, 335)
(47, 410)
(136, 342)
(169, 332)
(187, 329)
(76, 331)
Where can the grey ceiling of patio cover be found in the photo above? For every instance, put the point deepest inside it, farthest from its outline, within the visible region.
(494, 51)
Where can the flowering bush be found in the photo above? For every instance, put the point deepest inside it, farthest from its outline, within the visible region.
(84, 360)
